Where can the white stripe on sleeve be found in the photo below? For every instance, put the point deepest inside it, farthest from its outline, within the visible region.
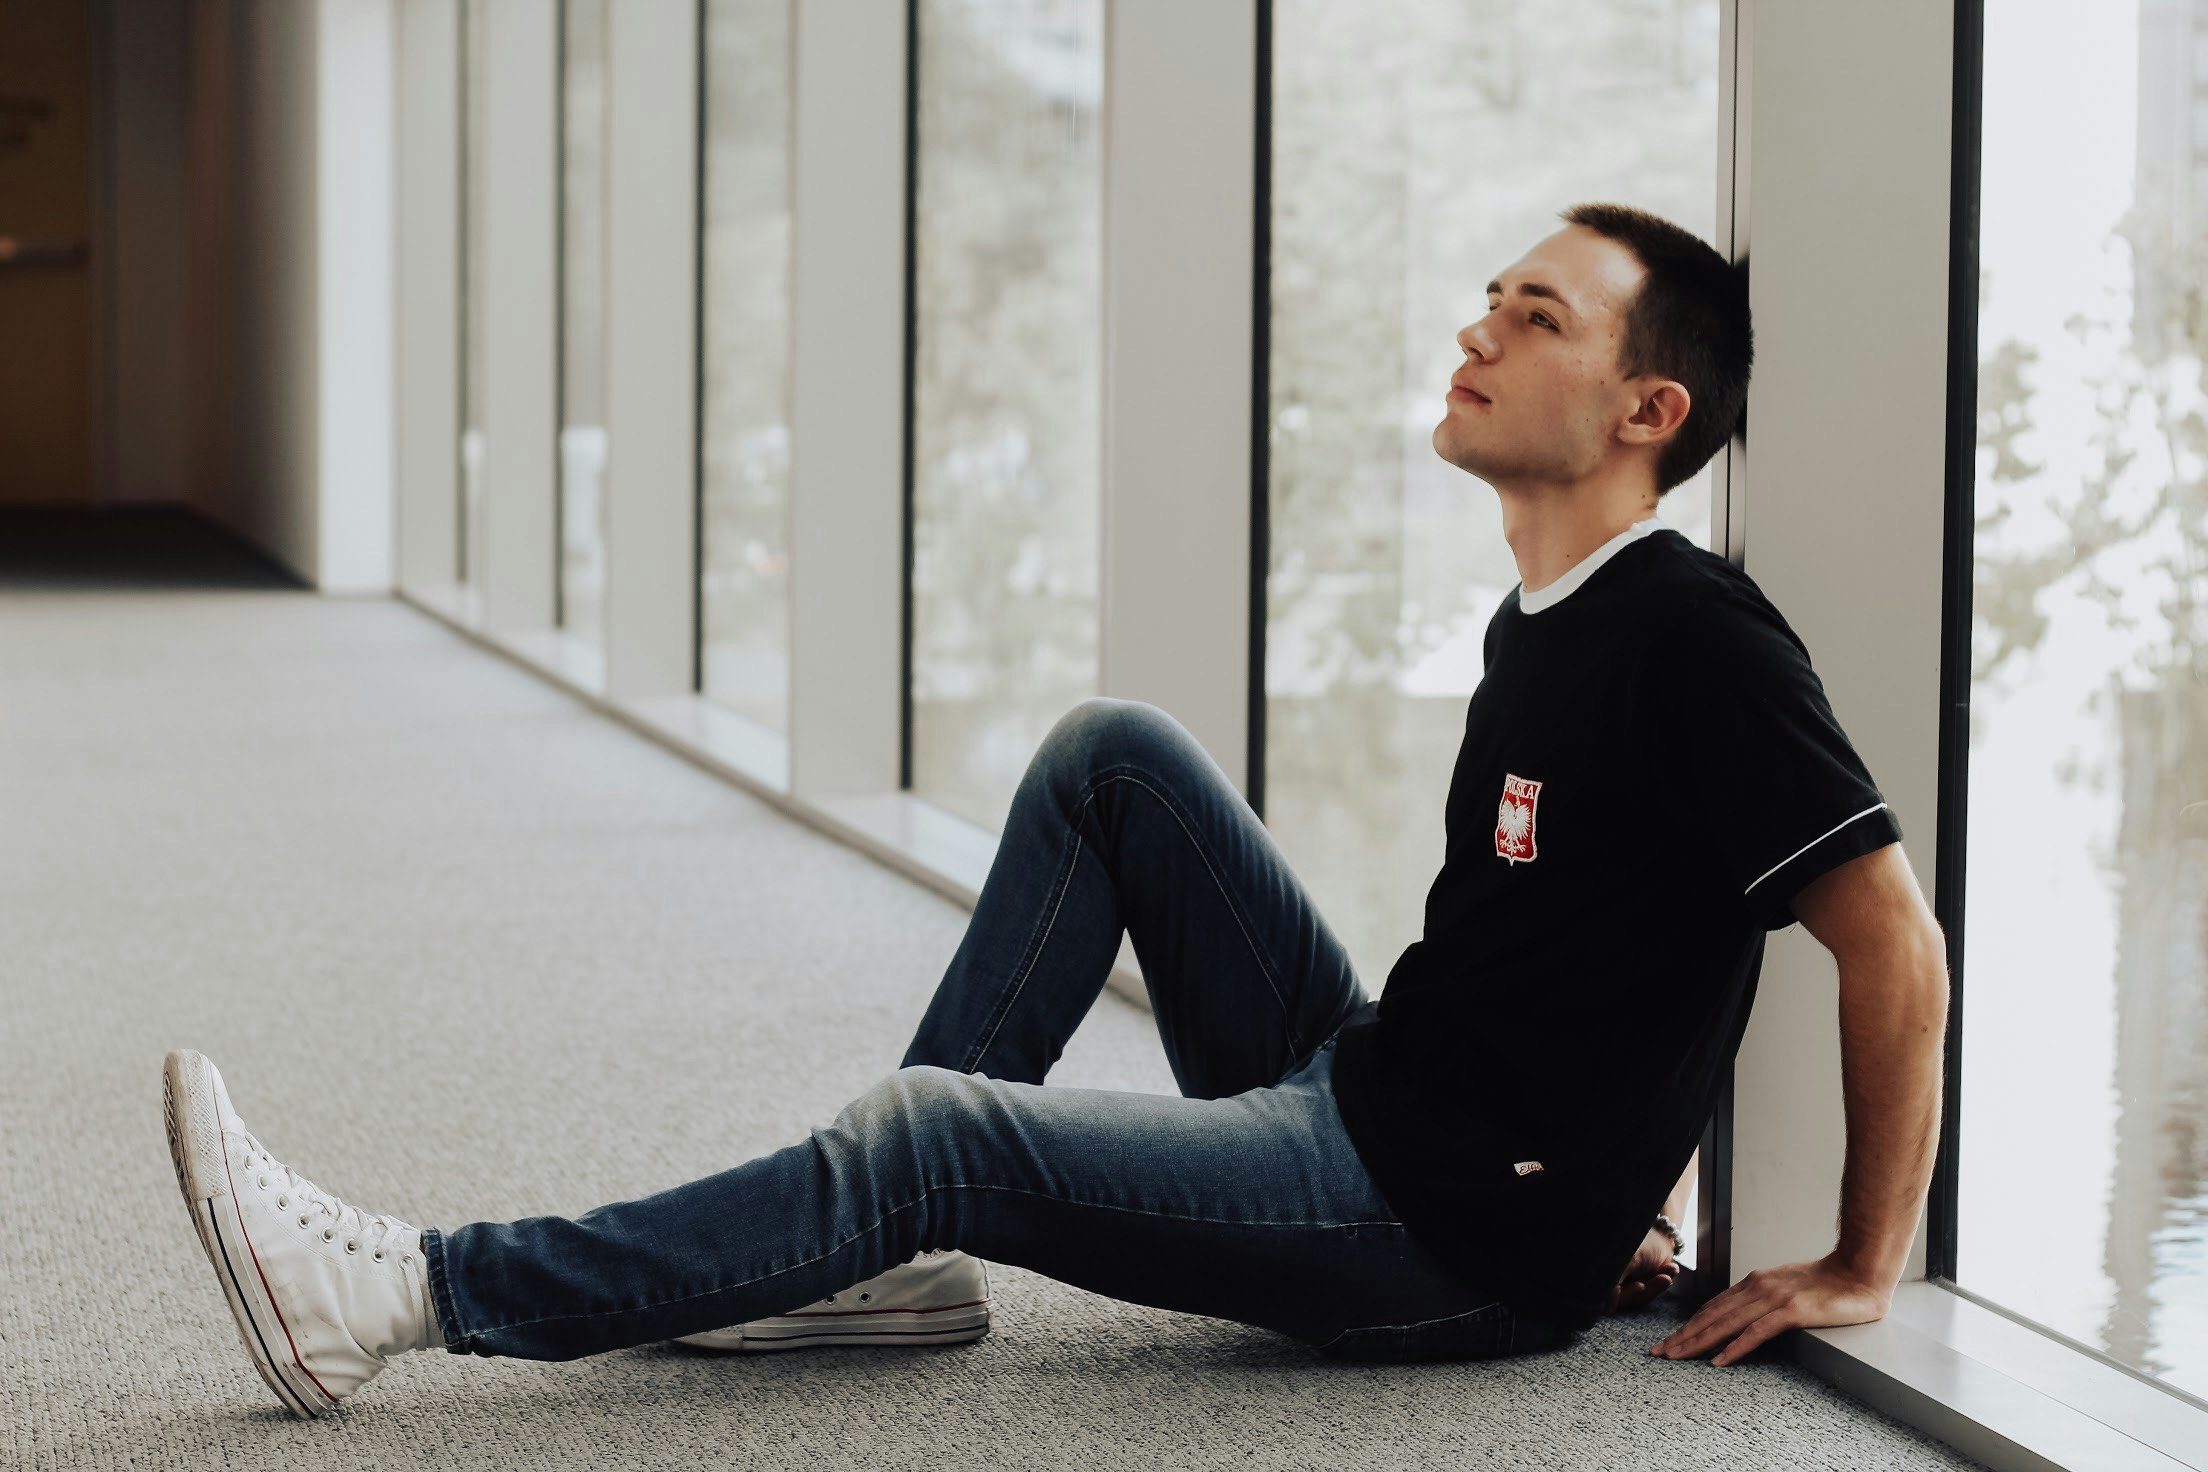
(1805, 848)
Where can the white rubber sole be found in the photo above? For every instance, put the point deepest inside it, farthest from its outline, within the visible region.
(194, 1123)
(952, 1324)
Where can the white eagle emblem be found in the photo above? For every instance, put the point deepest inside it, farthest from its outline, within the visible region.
(1514, 838)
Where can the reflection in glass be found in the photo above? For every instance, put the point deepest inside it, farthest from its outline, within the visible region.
(582, 317)
(468, 544)
(2083, 1164)
(745, 362)
(1419, 147)
(1006, 385)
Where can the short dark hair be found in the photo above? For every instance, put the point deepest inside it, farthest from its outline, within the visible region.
(1689, 321)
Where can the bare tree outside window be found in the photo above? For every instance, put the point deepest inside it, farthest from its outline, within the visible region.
(1006, 418)
(745, 363)
(2085, 975)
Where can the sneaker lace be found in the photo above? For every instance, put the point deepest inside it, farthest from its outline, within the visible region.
(379, 1230)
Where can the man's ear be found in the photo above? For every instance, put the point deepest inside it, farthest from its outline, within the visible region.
(1663, 409)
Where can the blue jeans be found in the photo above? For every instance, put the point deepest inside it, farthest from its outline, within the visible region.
(1242, 1199)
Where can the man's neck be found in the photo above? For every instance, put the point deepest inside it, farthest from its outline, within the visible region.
(1550, 537)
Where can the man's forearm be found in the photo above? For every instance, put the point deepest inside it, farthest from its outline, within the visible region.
(1675, 1205)
(1893, 1023)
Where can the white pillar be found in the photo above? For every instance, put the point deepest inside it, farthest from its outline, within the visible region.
(516, 570)
(355, 141)
(427, 226)
(1180, 115)
(1847, 228)
(651, 349)
(847, 395)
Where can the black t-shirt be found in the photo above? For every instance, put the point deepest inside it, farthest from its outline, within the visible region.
(1650, 772)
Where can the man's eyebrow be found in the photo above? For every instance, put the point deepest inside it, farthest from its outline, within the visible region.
(1535, 288)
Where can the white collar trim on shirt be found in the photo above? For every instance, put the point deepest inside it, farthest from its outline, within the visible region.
(1561, 589)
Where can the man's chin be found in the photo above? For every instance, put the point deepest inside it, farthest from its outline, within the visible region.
(1467, 460)
(1445, 445)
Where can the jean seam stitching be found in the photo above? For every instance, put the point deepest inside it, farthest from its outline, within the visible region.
(907, 1206)
(440, 1288)
(1467, 1316)
(1070, 857)
(1267, 966)
(1400, 1331)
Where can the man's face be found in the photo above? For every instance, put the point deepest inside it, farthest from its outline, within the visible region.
(1549, 368)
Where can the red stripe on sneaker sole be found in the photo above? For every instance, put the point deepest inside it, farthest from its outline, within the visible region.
(247, 1237)
(856, 1337)
(207, 1226)
(263, 1361)
(853, 1313)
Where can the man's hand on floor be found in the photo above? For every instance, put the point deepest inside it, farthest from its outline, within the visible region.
(1769, 1301)
(1652, 1270)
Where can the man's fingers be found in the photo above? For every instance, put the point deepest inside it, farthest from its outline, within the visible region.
(1755, 1334)
(1696, 1327)
(1693, 1337)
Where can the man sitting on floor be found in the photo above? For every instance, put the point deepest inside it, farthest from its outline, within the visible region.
(1471, 1165)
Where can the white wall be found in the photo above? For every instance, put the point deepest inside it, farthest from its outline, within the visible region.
(514, 566)
(428, 305)
(355, 329)
(1180, 121)
(1844, 504)
(847, 477)
(144, 271)
(252, 379)
(246, 239)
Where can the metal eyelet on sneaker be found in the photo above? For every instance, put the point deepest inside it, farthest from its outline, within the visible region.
(831, 1298)
(264, 1183)
(379, 1254)
(282, 1202)
(328, 1235)
(302, 1221)
(352, 1244)
(863, 1297)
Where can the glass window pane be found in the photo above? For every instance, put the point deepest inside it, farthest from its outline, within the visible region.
(467, 553)
(2083, 1165)
(582, 446)
(1420, 147)
(1006, 385)
(745, 368)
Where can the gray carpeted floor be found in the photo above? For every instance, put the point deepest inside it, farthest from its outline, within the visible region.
(465, 950)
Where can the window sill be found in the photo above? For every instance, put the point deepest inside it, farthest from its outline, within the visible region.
(2005, 1392)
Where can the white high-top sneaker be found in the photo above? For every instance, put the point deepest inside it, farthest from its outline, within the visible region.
(322, 1293)
(940, 1297)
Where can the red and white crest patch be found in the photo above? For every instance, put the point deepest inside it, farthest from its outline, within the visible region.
(1514, 819)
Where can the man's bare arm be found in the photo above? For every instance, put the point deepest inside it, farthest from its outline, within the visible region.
(1893, 1021)
(1675, 1205)
(1891, 953)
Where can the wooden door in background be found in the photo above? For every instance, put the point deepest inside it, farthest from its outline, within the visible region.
(45, 273)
